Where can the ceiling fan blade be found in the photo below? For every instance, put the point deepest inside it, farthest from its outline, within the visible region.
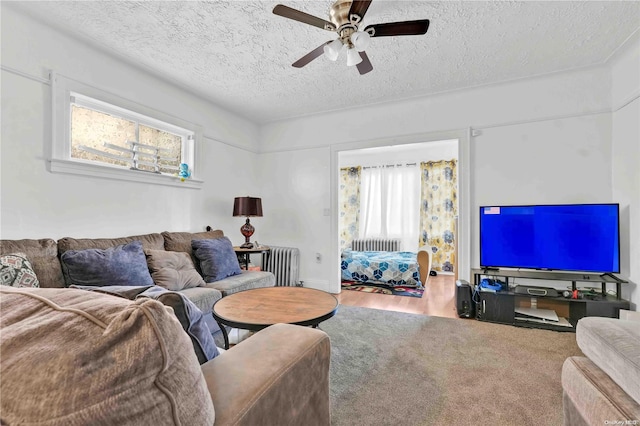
(305, 18)
(399, 28)
(318, 51)
(364, 66)
(359, 8)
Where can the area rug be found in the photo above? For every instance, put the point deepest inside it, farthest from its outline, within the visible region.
(382, 289)
(391, 368)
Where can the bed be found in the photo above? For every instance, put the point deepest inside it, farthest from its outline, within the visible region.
(392, 268)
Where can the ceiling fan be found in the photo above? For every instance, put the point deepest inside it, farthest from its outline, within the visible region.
(346, 17)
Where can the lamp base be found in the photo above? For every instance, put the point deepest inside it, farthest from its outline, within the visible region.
(247, 231)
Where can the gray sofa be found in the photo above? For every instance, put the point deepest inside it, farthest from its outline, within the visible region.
(44, 255)
(604, 386)
(76, 362)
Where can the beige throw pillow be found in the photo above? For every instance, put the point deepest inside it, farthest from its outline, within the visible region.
(173, 270)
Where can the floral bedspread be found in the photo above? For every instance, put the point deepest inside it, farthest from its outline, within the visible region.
(394, 268)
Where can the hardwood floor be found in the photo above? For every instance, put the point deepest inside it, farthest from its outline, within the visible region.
(438, 299)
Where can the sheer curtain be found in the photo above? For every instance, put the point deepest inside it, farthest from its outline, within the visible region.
(390, 204)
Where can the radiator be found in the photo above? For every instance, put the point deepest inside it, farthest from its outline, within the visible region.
(284, 262)
(376, 244)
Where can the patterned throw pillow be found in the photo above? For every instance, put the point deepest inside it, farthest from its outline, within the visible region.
(16, 271)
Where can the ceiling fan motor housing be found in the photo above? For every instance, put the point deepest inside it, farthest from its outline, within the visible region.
(339, 16)
(339, 13)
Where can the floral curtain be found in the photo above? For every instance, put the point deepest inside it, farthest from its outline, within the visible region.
(349, 202)
(438, 211)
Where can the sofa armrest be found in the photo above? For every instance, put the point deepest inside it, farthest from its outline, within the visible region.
(279, 376)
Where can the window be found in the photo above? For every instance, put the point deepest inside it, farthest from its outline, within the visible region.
(107, 134)
(99, 134)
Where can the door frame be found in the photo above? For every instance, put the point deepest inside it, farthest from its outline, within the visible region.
(464, 194)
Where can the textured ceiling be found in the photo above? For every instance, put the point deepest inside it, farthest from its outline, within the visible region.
(238, 54)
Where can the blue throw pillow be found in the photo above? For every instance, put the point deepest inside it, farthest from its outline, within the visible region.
(121, 265)
(217, 258)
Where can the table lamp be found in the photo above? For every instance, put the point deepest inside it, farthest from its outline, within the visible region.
(248, 207)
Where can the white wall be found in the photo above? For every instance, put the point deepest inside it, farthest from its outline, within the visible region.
(36, 203)
(541, 140)
(558, 95)
(399, 154)
(295, 200)
(625, 73)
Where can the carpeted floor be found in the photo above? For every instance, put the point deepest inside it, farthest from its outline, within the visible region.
(391, 368)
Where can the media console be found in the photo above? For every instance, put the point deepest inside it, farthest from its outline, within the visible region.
(532, 310)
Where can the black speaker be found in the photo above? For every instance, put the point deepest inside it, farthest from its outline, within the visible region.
(464, 304)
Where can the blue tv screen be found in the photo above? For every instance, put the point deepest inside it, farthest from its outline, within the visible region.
(576, 237)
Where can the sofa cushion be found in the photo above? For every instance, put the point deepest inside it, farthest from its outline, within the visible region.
(106, 360)
(203, 297)
(120, 265)
(246, 280)
(590, 397)
(216, 258)
(43, 255)
(181, 241)
(190, 316)
(173, 270)
(612, 344)
(191, 319)
(16, 271)
(149, 242)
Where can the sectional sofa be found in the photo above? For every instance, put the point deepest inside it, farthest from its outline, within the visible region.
(603, 386)
(57, 367)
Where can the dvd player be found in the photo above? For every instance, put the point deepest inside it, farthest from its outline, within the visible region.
(537, 291)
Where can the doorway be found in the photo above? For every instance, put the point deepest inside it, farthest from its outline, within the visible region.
(455, 142)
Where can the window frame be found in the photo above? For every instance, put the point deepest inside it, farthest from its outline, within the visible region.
(65, 91)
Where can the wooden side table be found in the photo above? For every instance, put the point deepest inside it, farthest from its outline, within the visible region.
(244, 255)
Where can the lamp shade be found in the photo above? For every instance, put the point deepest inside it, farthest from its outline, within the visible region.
(247, 206)
(360, 40)
(332, 50)
(353, 57)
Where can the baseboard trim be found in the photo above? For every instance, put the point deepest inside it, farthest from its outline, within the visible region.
(317, 284)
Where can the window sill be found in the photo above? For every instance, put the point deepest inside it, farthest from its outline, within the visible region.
(106, 172)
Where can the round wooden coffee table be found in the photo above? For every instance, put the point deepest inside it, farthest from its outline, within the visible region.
(259, 308)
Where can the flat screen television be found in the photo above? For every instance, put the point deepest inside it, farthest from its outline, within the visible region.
(570, 237)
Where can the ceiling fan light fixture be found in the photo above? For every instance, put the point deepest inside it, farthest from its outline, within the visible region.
(360, 40)
(353, 57)
(332, 50)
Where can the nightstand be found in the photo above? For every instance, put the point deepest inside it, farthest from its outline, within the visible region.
(244, 255)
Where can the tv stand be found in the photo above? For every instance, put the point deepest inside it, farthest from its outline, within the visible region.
(501, 306)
